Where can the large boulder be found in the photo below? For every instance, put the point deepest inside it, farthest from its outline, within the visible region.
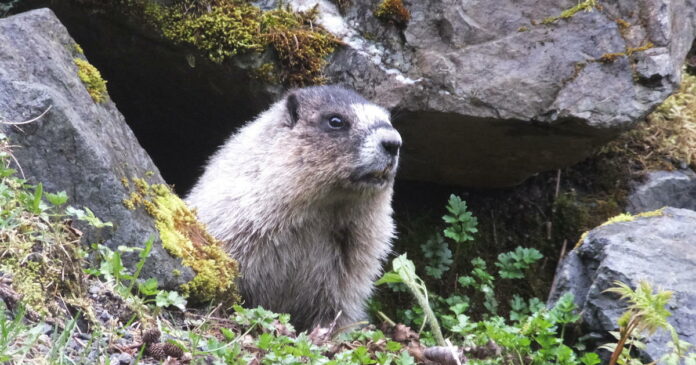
(485, 93)
(659, 247)
(79, 146)
(490, 92)
(664, 188)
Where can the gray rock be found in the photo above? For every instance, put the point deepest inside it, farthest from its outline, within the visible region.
(487, 96)
(659, 249)
(664, 188)
(79, 146)
(483, 94)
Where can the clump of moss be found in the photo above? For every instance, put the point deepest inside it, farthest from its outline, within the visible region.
(92, 79)
(393, 11)
(225, 28)
(185, 237)
(301, 49)
(586, 5)
(77, 48)
(623, 217)
(667, 139)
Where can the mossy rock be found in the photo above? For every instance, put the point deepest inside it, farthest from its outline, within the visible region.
(184, 237)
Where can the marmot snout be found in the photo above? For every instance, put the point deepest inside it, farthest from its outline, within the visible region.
(302, 198)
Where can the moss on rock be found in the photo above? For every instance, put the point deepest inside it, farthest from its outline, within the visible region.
(393, 11)
(92, 79)
(226, 28)
(183, 236)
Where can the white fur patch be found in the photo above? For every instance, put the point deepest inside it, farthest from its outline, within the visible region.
(371, 114)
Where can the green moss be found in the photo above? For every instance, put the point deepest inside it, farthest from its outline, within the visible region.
(92, 79)
(624, 217)
(183, 236)
(393, 11)
(586, 5)
(301, 48)
(234, 27)
(77, 48)
(666, 139)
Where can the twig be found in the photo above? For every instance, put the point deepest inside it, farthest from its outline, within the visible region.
(560, 261)
(386, 319)
(30, 120)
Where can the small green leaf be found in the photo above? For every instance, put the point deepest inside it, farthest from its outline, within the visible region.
(58, 198)
(590, 358)
(149, 287)
(389, 277)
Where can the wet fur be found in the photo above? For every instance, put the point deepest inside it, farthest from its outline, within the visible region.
(281, 194)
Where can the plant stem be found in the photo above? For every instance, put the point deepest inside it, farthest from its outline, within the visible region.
(429, 314)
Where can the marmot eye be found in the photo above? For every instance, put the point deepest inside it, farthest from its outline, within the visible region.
(336, 122)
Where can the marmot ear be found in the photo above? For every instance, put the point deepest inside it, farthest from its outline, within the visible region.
(292, 105)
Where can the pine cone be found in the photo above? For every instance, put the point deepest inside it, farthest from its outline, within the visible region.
(173, 350)
(156, 350)
(151, 335)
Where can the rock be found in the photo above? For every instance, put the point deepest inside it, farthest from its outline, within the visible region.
(485, 94)
(79, 146)
(660, 249)
(664, 188)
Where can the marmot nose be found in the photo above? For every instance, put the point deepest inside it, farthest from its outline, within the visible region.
(391, 146)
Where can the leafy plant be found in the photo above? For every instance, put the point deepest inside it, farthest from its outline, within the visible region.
(531, 334)
(646, 313)
(438, 255)
(463, 225)
(404, 271)
(111, 268)
(512, 264)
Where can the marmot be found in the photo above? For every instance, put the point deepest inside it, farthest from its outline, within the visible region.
(301, 197)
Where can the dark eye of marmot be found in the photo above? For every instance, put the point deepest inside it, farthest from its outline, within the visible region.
(336, 122)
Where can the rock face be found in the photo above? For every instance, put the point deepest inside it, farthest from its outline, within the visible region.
(486, 95)
(664, 188)
(79, 146)
(660, 249)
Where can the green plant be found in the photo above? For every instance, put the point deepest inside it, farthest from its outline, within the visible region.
(531, 334)
(438, 256)
(646, 313)
(462, 223)
(16, 339)
(112, 270)
(404, 271)
(512, 264)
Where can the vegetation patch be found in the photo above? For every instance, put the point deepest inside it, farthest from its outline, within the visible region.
(225, 28)
(393, 11)
(587, 5)
(623, 217)
(185, 237)
(40, 254)
(92, 79)
(666, 139)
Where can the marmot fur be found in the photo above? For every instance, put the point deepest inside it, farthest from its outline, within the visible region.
(301, 197)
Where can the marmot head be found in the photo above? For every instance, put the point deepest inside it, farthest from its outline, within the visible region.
(348, 141)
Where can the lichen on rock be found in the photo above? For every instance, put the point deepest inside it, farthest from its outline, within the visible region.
(183, 236)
